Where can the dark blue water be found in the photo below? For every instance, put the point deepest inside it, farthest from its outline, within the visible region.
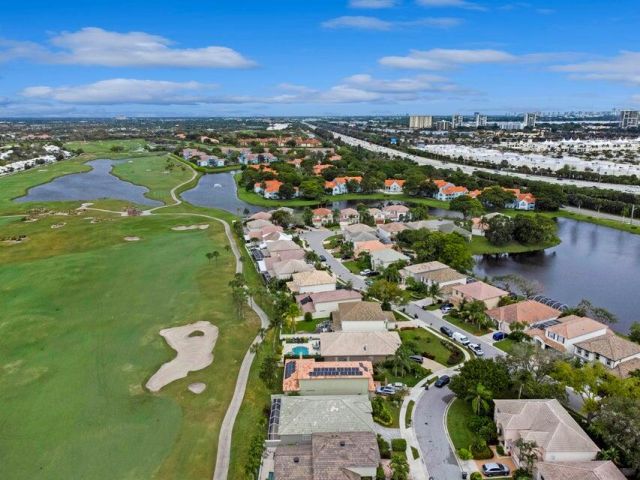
(597, 263)
(96, 184)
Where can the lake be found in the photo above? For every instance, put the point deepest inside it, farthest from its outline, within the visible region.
(597, 263)
(98, 183)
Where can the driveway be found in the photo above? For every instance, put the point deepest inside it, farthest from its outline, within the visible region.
(315, 239)
(429, 428)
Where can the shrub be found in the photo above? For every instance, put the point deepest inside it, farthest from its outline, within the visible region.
(415, 452)
(455, 357)
(500, 450)
(464, 454)
(475, 476)
(308, 317)
(398, 444)
(521, 474)
(383, 446)
(381, 412)
(380, 473)
(481, 452)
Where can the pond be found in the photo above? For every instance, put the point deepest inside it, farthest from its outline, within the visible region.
(218, 190)
(98, 183)
(597, 263)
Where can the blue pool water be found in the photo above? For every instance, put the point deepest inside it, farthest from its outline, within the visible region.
(300, 350)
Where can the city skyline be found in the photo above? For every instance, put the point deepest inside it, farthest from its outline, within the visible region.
(347, 57)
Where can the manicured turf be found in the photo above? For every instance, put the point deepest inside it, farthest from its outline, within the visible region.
(467, 327)
(101, 147)
(427, 342)
(457, 418)
(81, 313)
(505, 345)
(481, 246)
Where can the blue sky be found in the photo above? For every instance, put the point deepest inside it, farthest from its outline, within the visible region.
(317, 57)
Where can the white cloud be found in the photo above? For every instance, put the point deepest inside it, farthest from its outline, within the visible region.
(372, 3)
(374, 23)
(450, 3)
(122, 91)
(95, 46)
(444, 59)
(358, 22)
(623, 68)
(635, 99)
(420, 83)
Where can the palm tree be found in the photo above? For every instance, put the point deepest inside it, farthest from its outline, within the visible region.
(209, 256)
(292, 312)
(434, 291)
(400, 362)
(215, 254)
(480, 397)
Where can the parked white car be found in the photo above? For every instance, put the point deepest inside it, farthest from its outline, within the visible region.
(460, 338)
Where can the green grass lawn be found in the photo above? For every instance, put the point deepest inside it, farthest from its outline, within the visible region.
(82, 309)
(457, 418)
(310, 325)
(467, 327)
(101, 147)
(505, 345)
(395, 413)
(426, 341)
(356, 266)
(409, 413)
(481, 246)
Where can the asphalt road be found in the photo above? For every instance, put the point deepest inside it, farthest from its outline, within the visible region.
(315, 238)
(429, 416)
(635, 189)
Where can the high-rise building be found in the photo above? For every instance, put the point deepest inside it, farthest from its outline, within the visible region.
(456, 120)
(629, 118)
(529, 120)
(481, 120)
(443, 125)
(420, 121)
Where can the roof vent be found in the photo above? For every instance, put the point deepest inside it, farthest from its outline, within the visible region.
(296, 459)
(342, 443)
(364, 348)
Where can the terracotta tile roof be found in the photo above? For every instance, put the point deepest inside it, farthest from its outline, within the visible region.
(260, 216)
(349, 212)
(624, 369)
(441, 183)
(258, 224)
(611, 346)
(309, 279)
(334, 158)
(396, 208)
(308, 301)
(538, 333)
(425, 267)
(527, 311)
(282, 245)
(391, 181)
(480, 291)
(318, 169)
(322, 212)
(359, 227)
(393, 227)
(546, 422)
(453, 189)
(573, 326)
(474, 193)
(596, 470)
(304, 367)
(368, 246)
(271, 186)
(289, 267)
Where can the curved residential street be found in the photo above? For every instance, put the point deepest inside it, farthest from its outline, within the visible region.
(429, 418)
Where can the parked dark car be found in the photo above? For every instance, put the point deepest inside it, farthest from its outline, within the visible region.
(499, 336)
(442, 381)
(447, 331)
(322, 258)
(495, 470)
(416, 358)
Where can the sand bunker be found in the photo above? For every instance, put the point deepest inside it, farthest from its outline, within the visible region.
(15, 240)
(197, 387)
(58, 225)
(131, 239)
(194, 346)
(182, 228)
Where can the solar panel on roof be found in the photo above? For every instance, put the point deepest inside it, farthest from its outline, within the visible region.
(289, 369)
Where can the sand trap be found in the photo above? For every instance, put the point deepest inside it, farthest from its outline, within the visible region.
(15, 241)
(193, 352)
(197, 387)
(131, 239)
(58, 225)
(182, 228)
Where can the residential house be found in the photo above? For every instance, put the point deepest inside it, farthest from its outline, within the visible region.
(618, 354)
(309, 377)
(528, 312)
(335, 158)
(445, 278)
(449, 192)
(479, 224)
(321, 216)
(267, 263)
(419, 270)
(296, 162)
(377, 214)
(286, 269)
(350, 230)
(321, 167)
(361, 317)
(335, 456)
(338, 185)
(523, 201)
(260, 216)
(557, 435)
(265, 233)
(368, 246)
(257, 224)
(569, 330)
(381, 259)
(358, 346)
(595, 470)
(393, 186)
(322, 304)
(268, 188)
(396, 213)
(362, 237)
(387, 232)
(444, 226)
(294, 419)
(349, 216)
(312, 282)
(282, 246)
(488, 294)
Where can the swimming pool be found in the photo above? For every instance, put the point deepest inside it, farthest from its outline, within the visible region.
(300, 350)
